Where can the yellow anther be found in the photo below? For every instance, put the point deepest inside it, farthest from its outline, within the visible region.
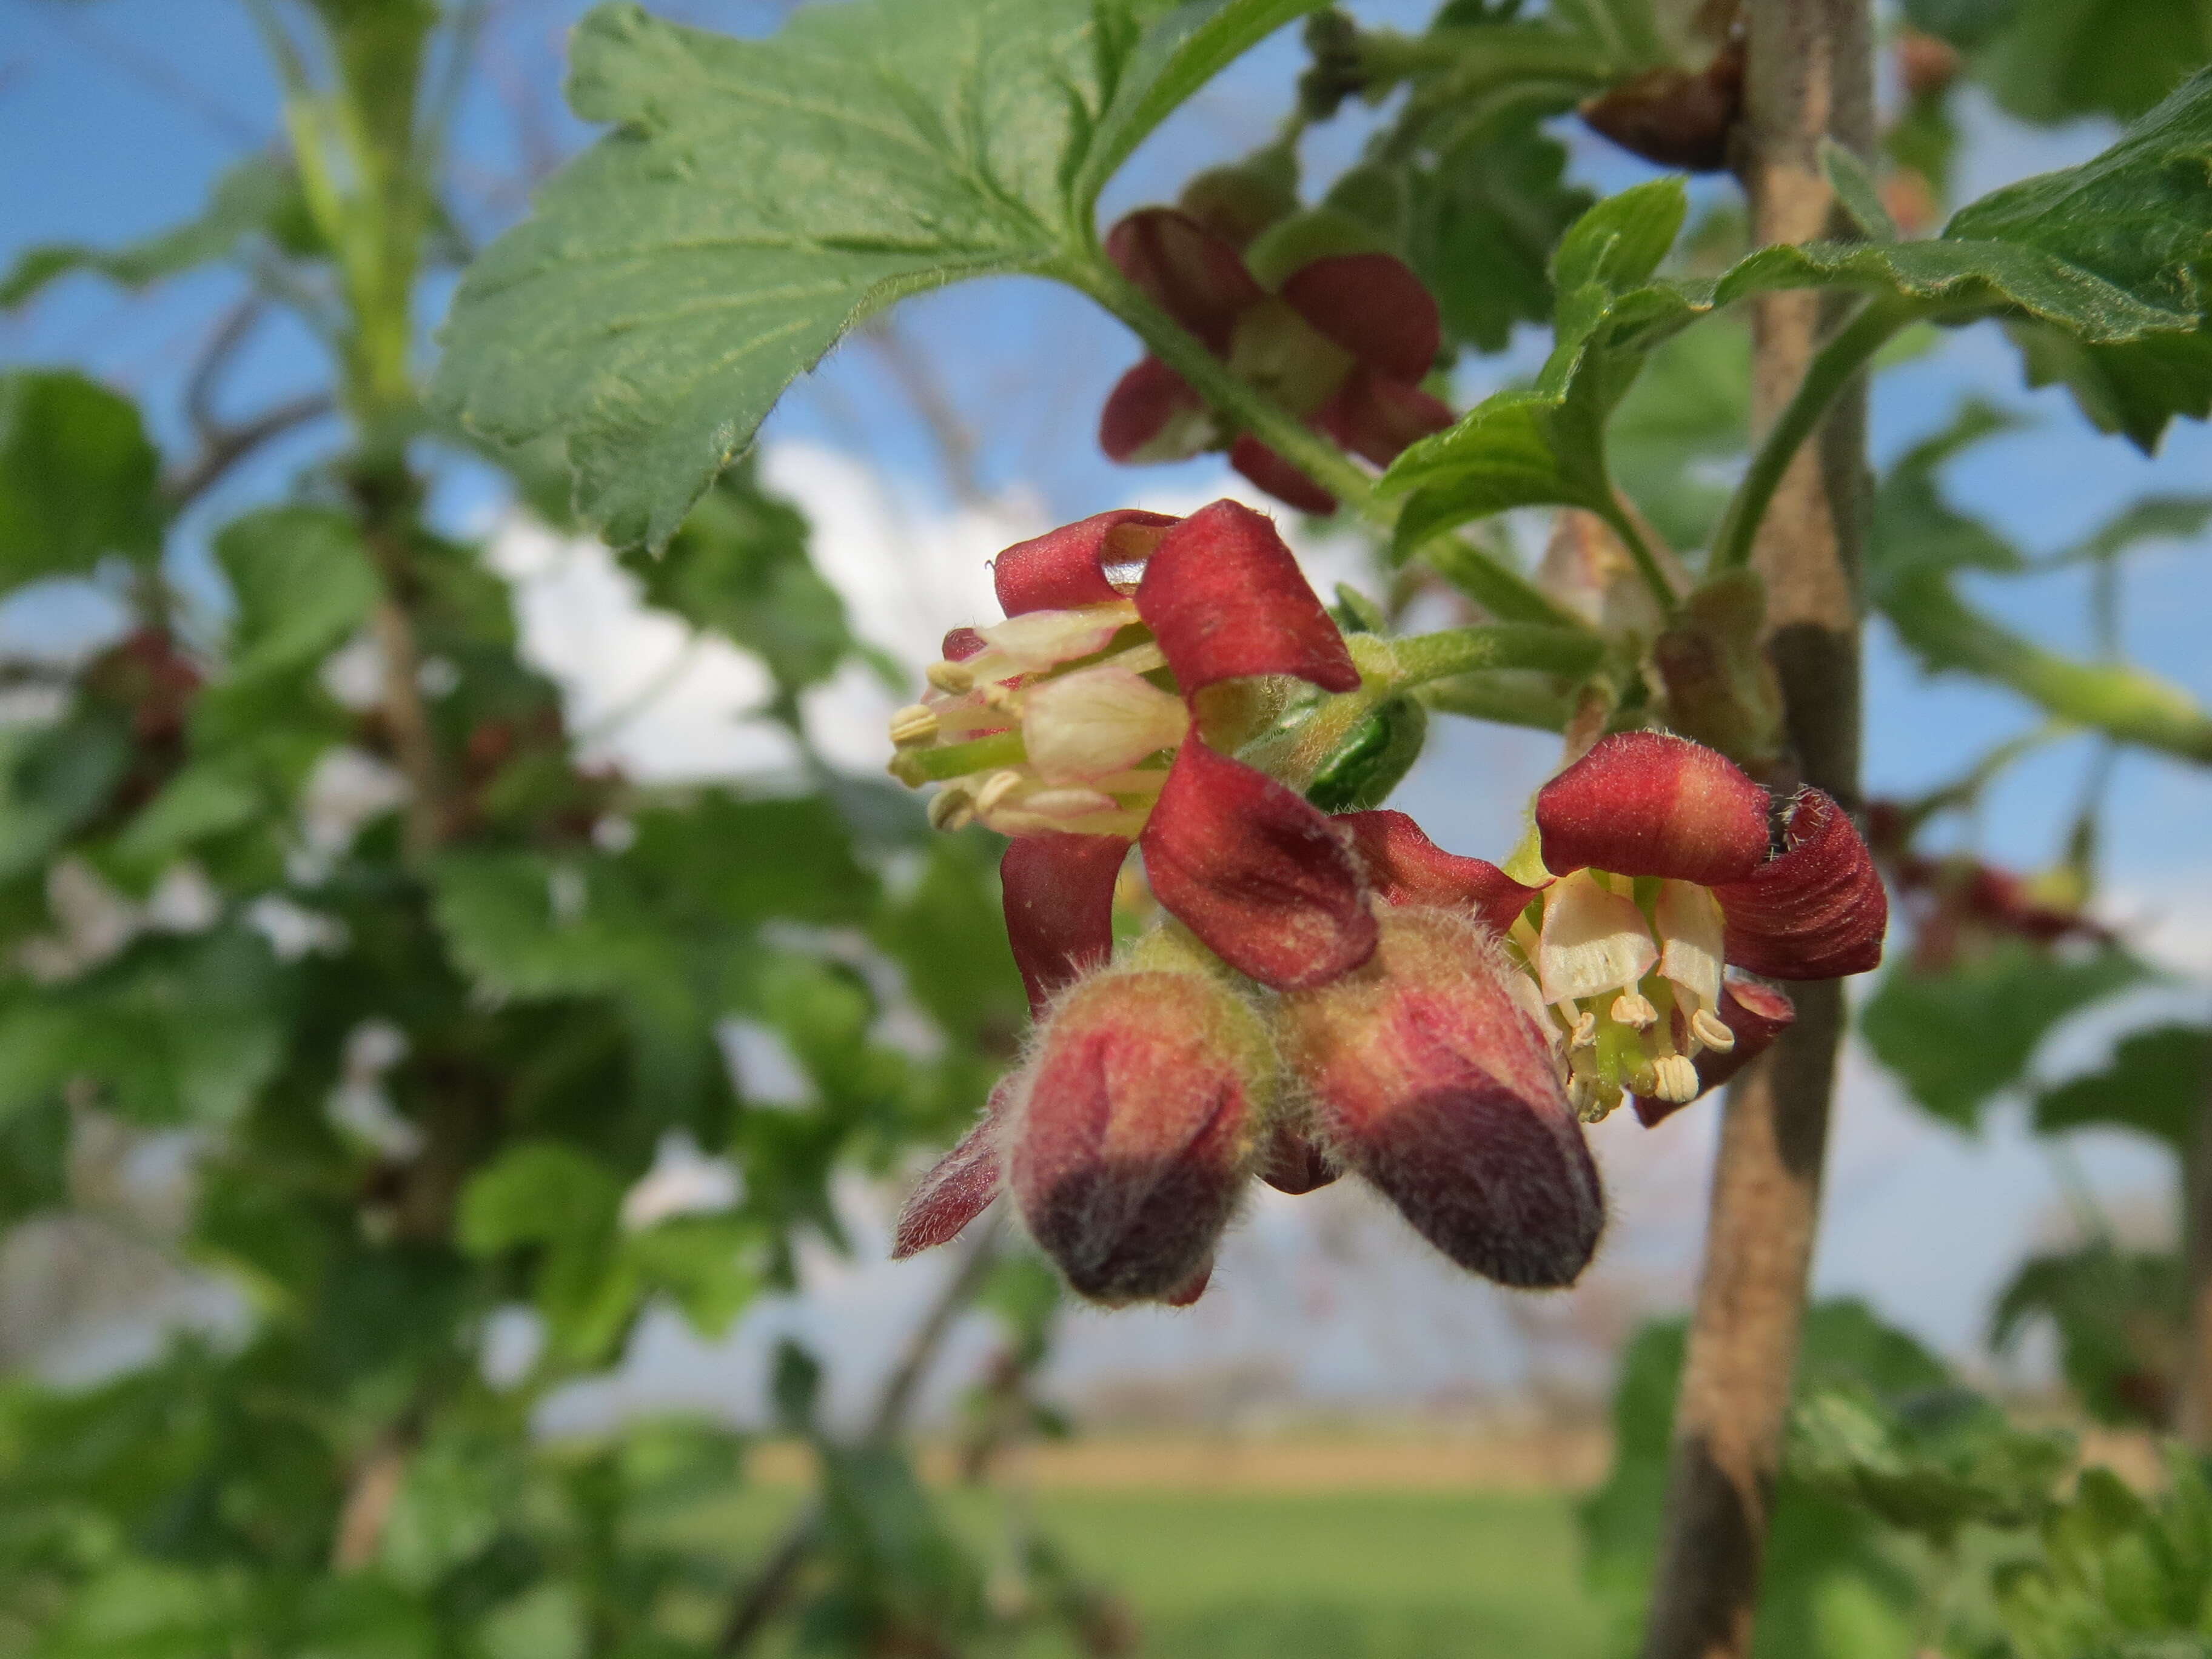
(950, 808)
(1676, 1079)
(949, 678)
(1705, 1025)
(915, 723)
(998, 696)
(1633, 1009)
(1584, 1035)
(995, 789)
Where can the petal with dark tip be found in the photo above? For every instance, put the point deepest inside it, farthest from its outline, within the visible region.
(1195, 277)
(1757, 1014)
(1376, 418)
(1226, 601)
(958, 1189)
(1066, 568)
(1650, 804)
(1432, 1083)
(1279, 478)
(1374, 306)
(1256, 871)
(1058, 896)
(1135, 1129)
(1153, 415)
(1292, 1162)
(1816, 912)
(1406, 867)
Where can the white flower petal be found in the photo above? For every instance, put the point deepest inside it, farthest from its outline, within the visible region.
(1098, 721)
(1691, 932)
(1594, 941)
(1040, 639)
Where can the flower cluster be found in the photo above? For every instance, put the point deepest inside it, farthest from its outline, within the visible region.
(1328, 995)
(1309, 308)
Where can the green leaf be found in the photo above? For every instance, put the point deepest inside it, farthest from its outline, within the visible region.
(1929, 1462)
(744, 862)
(524, 925)
(1856, 189)
(1546, 445)
(1485, 216)
(2133, 388)
(739, 567)
(78, 478)
(1918, 541)
(53, 779)
(1957, 1038)
(1687, 418)
(2122, 1318)
(2156, 1084)
(758, 199)
(302, 584)
(173, 1031)
(204, 800)
(568, 1204)
(2055, 60)
(2109, 251)
(259, 196)
(1814, 1543)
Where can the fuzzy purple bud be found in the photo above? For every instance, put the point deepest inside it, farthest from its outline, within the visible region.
(1133, 1126)
(1432, 1080)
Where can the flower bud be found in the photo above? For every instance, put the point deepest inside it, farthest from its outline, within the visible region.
(1428, 1078)
(1135, 1123)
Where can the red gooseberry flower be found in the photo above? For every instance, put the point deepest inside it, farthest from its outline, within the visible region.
(1098, 713)
(1431, 1075)
(1340, 338)
(1665, 873)
(1126, 1136)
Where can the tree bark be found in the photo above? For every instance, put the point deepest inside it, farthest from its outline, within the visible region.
(1809, 75)
(2195, 1413)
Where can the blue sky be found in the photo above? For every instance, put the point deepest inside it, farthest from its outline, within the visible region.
(116, 115)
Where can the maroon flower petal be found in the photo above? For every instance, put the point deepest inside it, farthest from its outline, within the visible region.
(1255, 872)
(961, 644)
(1225, 599)
(1406, 867)
(957, 1189)
(1374, 306)
(1375, 417)
(1817, 911)
(1757, 1014)
(1279, 478)
(1066, 567)
(1058, 896)
(1650, 804)
(1135, 1131)
(1195, 277)
(1143, 404)
(1291, 1161)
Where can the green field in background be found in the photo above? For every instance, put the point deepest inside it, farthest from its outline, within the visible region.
(1313, 1576)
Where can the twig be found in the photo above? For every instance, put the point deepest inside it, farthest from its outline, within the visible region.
(764, 1593)
(229, 446)
(238, 323)
(1809, 77)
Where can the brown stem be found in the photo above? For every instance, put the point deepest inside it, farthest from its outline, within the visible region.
(763, 1595)
(1809, 75)
(2195, 1412)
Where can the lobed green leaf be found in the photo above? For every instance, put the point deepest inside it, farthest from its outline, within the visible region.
(758, 199)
